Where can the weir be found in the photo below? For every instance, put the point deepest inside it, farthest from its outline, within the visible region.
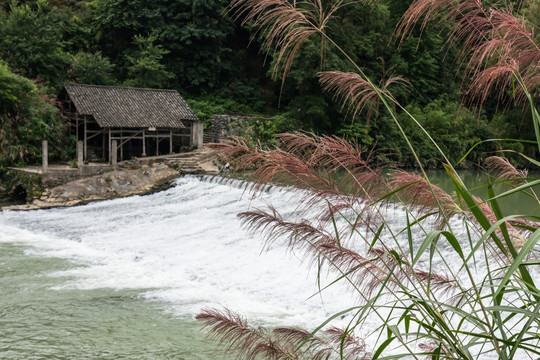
(181, 250)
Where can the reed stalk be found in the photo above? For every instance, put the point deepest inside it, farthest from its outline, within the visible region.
(459, 280)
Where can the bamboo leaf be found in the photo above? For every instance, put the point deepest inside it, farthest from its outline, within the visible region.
(498, 213)
(431, 237)
(376, 237)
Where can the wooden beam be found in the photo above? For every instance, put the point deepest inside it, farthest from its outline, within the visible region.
(96, 133)
(129, 138)
(121, 146)
(161, 136)
(170, 141)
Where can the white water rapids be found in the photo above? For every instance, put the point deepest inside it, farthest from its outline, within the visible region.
(184, 246)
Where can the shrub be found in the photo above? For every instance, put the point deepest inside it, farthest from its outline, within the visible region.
(26, 118)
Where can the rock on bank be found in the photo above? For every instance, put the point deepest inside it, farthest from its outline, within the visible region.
(130, 178)
(117, 183)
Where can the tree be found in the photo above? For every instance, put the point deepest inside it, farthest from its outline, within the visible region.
(193, 32)
(26, 118)
(146, 69)
(31, 42)
(92, 69)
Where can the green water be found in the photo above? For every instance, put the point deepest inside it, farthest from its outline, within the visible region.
(37, 322)
(517, 203)
(40, 322)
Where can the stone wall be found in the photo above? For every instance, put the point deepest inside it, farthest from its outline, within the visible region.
(227, 125)
(20, 184)
(57, 177)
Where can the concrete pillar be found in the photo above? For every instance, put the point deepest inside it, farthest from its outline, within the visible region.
(44, 155)
(114, 153)
(109, 141)
(197, 135)
(170, 141)
(85, 140)
(80, 154)
(143, 143)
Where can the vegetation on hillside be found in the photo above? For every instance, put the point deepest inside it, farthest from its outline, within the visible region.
(195, 47)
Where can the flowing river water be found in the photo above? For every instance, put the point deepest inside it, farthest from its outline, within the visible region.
(123, 279)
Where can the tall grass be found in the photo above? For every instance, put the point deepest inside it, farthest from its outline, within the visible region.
(457, 279)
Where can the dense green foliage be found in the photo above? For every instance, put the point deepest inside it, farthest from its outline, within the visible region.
(193, 46)
(26, 117)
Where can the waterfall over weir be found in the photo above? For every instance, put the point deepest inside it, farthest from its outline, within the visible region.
(125, 278)
(183, 248)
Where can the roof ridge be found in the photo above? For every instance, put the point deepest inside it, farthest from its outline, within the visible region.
(120, 87)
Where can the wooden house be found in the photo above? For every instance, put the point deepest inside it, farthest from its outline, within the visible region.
(143, 122)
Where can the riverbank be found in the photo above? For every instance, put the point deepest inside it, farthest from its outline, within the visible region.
(133, 177)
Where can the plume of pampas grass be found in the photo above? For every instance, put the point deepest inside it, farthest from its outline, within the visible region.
(285, 26)
(282, 343)
(235, 334)
(497, 46)
(416, 191)
(352, 345)
(364, 272)
(503, 170)
(355, 92)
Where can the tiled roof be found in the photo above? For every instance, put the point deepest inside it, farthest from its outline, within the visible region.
(114, 106)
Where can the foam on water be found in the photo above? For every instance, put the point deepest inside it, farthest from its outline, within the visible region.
(184, 246)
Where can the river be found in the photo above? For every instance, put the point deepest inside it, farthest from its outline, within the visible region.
(125, 278)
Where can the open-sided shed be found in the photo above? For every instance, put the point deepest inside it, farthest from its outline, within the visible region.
(142, 121)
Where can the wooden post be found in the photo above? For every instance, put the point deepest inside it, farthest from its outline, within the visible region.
(157, 145)
(44, 156)
(80, 154)
(144, 143)
(122, 146)
(114, 154)
(77, 126)
(170, 141)
(103, 145)
(197, 135)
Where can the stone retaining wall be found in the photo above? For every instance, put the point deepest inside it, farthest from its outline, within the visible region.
(56, 177)
(226, 125)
